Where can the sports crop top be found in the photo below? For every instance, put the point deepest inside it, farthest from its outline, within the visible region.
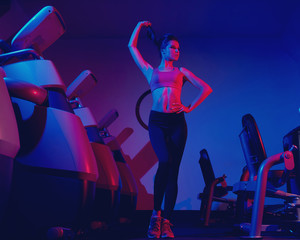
(172, 78)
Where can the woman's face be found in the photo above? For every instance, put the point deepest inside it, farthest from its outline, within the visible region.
(171, 52)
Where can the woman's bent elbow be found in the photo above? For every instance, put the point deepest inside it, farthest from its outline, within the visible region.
(208, 90)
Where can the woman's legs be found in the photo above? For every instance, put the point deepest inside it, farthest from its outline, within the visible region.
(168, 134)
(157, 138)
(177, 144)
(159, 143)
(168, 141)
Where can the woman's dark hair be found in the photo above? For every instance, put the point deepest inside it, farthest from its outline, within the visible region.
(162, 42)
(152, 36)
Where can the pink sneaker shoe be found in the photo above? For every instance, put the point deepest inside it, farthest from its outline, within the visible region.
(154, 229)
(166, 231)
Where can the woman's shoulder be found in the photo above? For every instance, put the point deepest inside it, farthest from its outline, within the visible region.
(182, 69)
(185, 71)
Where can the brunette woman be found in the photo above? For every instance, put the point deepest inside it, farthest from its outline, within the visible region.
(167, 125)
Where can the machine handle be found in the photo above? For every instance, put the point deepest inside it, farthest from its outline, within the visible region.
(24, 53)
(108, 119)
(81, 85)
(288, 158)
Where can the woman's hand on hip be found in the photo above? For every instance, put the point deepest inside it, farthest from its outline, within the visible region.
(178, 108)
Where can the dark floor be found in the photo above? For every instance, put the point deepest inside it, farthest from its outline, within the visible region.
(187, 226)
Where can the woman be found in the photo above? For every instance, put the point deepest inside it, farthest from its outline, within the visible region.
(167, 126)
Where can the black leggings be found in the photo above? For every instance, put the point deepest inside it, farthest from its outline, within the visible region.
(168, 133)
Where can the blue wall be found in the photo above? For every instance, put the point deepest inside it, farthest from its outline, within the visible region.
(248, 75)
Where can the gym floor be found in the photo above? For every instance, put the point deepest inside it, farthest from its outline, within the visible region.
(187, 226)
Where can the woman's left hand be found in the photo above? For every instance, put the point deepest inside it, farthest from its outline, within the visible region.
(178, 108)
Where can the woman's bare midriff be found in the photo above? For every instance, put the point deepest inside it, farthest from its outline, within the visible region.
(163, 99)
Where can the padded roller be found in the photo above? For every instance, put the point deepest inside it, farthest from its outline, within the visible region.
(26, 91)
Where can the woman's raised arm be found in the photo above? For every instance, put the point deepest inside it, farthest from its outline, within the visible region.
(144, 66)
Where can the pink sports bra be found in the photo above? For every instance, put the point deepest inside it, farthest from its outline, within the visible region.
(161, 79)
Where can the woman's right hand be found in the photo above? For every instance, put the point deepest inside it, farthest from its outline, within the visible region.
(145, 23)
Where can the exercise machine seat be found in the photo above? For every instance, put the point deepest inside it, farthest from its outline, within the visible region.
(259, 185)
(255, 153)
(212, 192)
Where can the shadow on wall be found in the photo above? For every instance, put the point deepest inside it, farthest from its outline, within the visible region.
(140, 165)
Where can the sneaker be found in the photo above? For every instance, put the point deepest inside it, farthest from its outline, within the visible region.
(154, 229)
(166, 231)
